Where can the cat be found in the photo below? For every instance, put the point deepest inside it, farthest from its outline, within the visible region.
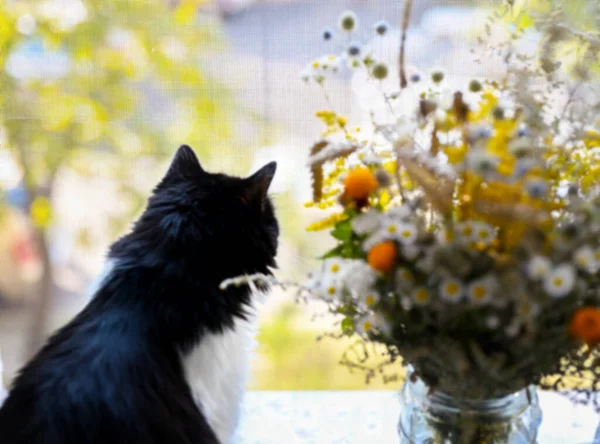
(160, 354)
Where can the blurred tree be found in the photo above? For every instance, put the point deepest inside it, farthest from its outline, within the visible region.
(569, 30)
(94, 86)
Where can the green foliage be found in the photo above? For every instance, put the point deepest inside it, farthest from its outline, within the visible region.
(349, 246)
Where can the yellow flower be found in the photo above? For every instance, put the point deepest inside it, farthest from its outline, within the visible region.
(486, 105)
(328, 117)
(592, 138)
(327, 222)
(41, 212)
(456, 154)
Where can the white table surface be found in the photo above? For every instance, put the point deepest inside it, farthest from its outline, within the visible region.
(344, 417)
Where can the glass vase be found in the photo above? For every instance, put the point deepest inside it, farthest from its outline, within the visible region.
(437, 418)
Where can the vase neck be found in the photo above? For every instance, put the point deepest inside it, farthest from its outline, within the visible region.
(440, 403)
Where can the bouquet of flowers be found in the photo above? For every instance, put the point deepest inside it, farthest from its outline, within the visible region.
(466, 221)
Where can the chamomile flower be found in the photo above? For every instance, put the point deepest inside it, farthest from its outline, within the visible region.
(527, 310)
(483, 233)
(480, 291)
(331, 290)
(358, 277)
(560, 281)
(406, 303)
(513, 329)
(365, 325)
(427, 262)
(464, 231)
(366, 223)
(370, 298)
(306, 74)
(451, 290)
(374, 239)
(410, 252)
(585, 258)
(372, 323)
(421, 296)
(492, 322)
(538, 267)
(333, 266)
(330, 63)
(404, 278)
(392, 228)
(401, 212)
(407, 233)
(444, 236)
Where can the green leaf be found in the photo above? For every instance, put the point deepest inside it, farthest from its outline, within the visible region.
(343, 230)
(335, 252)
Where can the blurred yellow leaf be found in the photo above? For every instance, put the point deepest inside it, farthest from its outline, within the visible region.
(41, 212)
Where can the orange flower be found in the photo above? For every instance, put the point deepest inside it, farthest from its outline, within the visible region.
(359, 183)
(585, 325)
(382, 256)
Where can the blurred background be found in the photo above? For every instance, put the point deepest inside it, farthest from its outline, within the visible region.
(95, 96)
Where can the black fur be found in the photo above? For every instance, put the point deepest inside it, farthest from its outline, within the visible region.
(113, 375)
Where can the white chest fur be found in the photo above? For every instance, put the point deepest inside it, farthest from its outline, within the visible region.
(216, 371)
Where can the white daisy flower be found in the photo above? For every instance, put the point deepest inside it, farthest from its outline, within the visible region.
(512, 330)
(585, 258)
(465, 230)
(407, 233)
(370, 298)
(492, 322)
(367, 223)
(444, 236)
(483, 232)
(421, 296)
(527, 310)
(538, 267)
(306, 74)
(374, 239)
(481, 290)
(371, 323)
(427, 262)
(451, 290)
(334, 266)
(331, 290)
(404, 278)
(358, 277)
(410, 252)
(392, 228)
(406, 303)
(560, 281)
(402, 212)
(365, 325)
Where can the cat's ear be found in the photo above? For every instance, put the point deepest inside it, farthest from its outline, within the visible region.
(258, 184)
(184, 164)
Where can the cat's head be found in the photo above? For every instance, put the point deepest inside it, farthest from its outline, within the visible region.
(223, 224)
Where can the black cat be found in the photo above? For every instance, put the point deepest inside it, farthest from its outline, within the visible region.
(160, 353)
